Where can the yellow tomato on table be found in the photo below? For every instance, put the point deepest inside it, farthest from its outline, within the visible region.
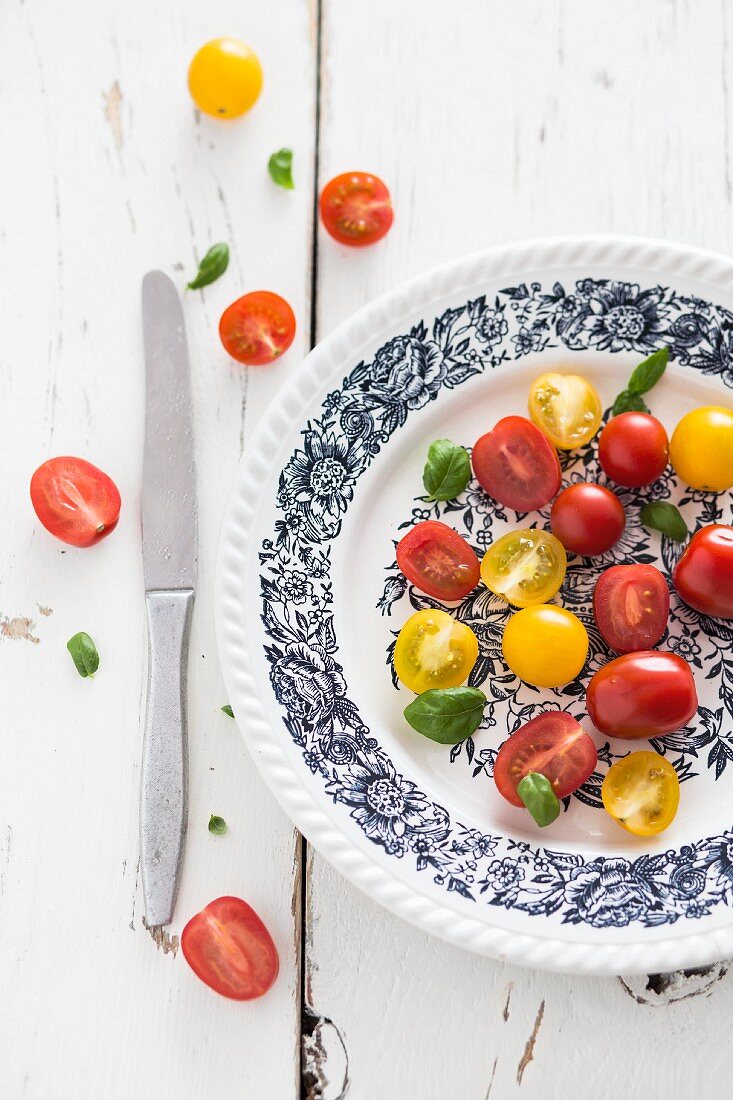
(433, 650)
(545, 645)
(641, 792)
(225, 78)
(701, 449)
(566, 408)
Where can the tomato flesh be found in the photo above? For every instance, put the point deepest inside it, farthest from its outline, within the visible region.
(641, 792)
(438, 561)
(704, 574)
(75, 500)
(356, 208)
(588, 519)
(517, 465)
(257, 328)
(644, 694)
(553, 744)
(229, 948)
(631, 606)
(524, 567)
(567, 409)
(633, 449)
(433, 650)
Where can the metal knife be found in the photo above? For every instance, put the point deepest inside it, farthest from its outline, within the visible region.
(169, 562)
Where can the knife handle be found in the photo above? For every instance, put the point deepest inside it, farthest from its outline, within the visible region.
(164, 779)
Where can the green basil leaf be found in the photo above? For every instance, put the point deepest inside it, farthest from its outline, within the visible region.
(647, 374)
(664, 517)
(280, 166)
(536, 793)
(447, 715)
(217, 825)
(83, 653)
(447, 471)
(629, 402)
(214, 264)
(228, 710)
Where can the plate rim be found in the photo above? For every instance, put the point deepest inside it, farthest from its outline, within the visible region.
(365, 869)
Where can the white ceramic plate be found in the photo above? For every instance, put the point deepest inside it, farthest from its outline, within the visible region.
(309, 601)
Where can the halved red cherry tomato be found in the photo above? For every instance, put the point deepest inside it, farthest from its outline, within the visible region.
(704, 574)
(633, 449)
(517, 465)
(75, 501)
(438, 561)
(587, 519)
(553, 744)
(228, 947)
(356, 208)
(645, 694)
(631, 606)
(257, 328)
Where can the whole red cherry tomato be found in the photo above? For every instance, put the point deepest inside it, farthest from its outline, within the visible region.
(587, 519)
(704, 574)
(633, 449)
(356, 208)
(517, 465)
(228, 947)
(631, 606)
(75, 501)
(553, 744)
(257, 328)
(645, 694)
(438, 561)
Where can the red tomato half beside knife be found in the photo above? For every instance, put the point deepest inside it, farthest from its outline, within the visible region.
(228, 947)
(75, 501)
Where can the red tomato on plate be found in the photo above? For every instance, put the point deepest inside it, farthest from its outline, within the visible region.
(438, 561)
(645, 694)
(633, 449)
(517, 465)
(631, 606)
(75, 501)
(587, 519)
(704, 574)
(228, 947)
(257, 328)
(356, 208)
(553, 744)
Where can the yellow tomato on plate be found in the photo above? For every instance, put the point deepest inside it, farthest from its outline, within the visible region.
(701, 449)
(545, 645)
(225, 78)
(566, 408)
(524, 567)
(433, 650)
(641, 792)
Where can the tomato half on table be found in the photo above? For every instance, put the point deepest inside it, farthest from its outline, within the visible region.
(631, 606)
(75, 501)
(516, 465)
(704, 574)
(644, 694)
(356, 208)
(524, 567)
(229, 948)
(438, 561)
(258, 328)
(434, 650)
(641, 792)
(566, 407)
(553, 744)
(588, 519)
(633, 449)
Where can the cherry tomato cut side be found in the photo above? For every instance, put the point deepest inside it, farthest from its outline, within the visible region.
(631, 606)
(356, 208)
(641, 792)
(587, 519)
(517, 465)
(229, 948)
(553, 744)
(703, 576)
(258, 328)
(75, 501)
(438, 561)
(644, 694)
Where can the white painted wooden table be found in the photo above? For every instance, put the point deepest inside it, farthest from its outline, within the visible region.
(490, 120)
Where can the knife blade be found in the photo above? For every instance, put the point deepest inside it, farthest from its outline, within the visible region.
(169, 524)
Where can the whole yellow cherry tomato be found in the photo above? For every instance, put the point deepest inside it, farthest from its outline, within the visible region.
(434, 650)
(225, 78)
(701, 449)
(566, 408)
(545, 645)
(642, 792)
(524, 567)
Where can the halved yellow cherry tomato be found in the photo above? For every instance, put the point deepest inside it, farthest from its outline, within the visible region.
(545, 645)
(701, 449)
(567, 409)
(433, 650)
(525, 567)
(225, 78)
(642, 792)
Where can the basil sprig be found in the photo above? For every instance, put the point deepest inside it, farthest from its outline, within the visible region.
(447, 715)
(447, 471)
(280, 166)
(83, 653)
(228, 710)
(643, 378)
(217, 825)
(214, 264)
(662, 516)
(536, 792)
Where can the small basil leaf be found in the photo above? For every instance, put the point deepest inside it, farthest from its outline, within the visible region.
(217, 825)
(447, 715)
(280, 166)
(664, 517)
(228, 710)
(647, 374)
(536, 793)
(214, 264)
(447, 471)
(629, 402)
(83, 653)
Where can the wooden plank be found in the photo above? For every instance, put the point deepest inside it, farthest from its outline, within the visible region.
(108, 172)
(492, 121)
